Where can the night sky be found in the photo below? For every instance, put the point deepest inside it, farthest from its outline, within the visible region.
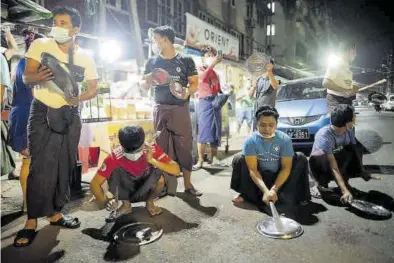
(370, 24)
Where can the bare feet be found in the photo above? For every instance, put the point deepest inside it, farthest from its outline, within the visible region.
(238, 199)
(124, 209)
(152, 209)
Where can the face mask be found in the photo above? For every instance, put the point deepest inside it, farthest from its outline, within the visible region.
(266, 137)
(155, 49)
(60, 34)
(133, 156)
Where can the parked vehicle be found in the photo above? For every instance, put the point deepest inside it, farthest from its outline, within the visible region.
(389, 105)
(303, 110)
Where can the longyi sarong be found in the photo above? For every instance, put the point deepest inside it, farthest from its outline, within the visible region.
(209, 121)
(176, 137)
(333, 101)
(53, 136)
(292, 192)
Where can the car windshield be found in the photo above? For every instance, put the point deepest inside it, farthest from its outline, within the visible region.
(302, 91)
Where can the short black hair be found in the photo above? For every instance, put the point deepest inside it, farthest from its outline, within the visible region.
(4, 42)
(341, 115)
(28, 41)
(165, 31)
(72, 12)
(131, 137)
(266, 111)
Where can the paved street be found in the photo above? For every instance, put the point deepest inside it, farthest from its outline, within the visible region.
(212, 229)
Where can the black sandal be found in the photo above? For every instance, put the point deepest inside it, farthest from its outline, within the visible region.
(28, 234)
(67, 222)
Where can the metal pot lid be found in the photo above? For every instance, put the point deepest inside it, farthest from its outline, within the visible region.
(370, 208)
(177, 90)
(291, 228)
(161, 76)
(256, 63)
(140, 233)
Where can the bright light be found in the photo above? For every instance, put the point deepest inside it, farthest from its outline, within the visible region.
(332, 59)
(270, 30)
(273, 7)
(110, 50)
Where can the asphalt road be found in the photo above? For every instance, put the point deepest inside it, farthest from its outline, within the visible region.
(212, 229)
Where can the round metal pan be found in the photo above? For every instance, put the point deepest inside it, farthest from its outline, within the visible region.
(369, 208)
(291, 229)
(138, 233)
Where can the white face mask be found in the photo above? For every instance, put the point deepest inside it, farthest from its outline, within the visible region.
(133, 156)
(61, 35)
(155, 49)
(266, 137)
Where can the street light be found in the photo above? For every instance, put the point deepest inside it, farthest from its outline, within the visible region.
(332, 59)
(110, 50)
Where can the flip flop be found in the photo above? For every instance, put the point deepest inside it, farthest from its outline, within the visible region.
(29, 234)
(315, 193)
(193, 192)
(238, 200)
(67, 222)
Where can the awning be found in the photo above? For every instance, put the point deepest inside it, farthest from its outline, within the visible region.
(23, 11)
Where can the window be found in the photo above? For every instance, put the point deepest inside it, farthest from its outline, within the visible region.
(179, 20)
(271, 6)
(111, 2)
(123, 5)
(151, 10)
(260, 18)
(166, 17)
(233, 3)
(270, 30)
(249, 10)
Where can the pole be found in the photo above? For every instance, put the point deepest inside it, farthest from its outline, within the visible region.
(103, 18)
(137, 31)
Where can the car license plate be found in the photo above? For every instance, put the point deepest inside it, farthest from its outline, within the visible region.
(298, 134)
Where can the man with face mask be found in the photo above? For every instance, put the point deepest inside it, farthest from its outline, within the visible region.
(171, 113)
(336, 155)
(268, 169)
(134, 170)
(54, 122)
(338, 79)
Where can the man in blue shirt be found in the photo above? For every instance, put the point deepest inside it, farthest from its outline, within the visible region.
(268, 169)
(336, 155)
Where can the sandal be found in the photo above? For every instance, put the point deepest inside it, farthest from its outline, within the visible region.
(315, 193)
(67, 222)
(193, 192)
(28, 234)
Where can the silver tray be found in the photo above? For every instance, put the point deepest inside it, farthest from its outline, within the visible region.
(138, 233)
(370, 208)
(291, 228)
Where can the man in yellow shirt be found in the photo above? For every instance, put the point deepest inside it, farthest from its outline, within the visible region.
(54, 123)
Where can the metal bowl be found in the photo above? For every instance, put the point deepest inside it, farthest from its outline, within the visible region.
(138, 233)
(291, 228)
(256, 63)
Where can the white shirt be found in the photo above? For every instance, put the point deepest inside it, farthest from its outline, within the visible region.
(43, 92)
(341, 75)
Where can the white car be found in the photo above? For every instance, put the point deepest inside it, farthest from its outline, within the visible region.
(389, 105)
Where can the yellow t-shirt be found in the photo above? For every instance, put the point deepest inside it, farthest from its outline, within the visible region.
(45, 91)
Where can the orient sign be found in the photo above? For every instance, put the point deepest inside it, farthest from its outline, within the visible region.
(200, 34)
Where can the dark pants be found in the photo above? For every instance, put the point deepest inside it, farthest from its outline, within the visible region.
(349, 161)
(333, 101)
(133, 188)
(292, 192)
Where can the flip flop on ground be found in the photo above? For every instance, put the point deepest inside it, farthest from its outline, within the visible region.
(193, 192)
(28, 234)
(67, 222)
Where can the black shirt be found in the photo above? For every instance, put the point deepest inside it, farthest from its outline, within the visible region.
(180, 68)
